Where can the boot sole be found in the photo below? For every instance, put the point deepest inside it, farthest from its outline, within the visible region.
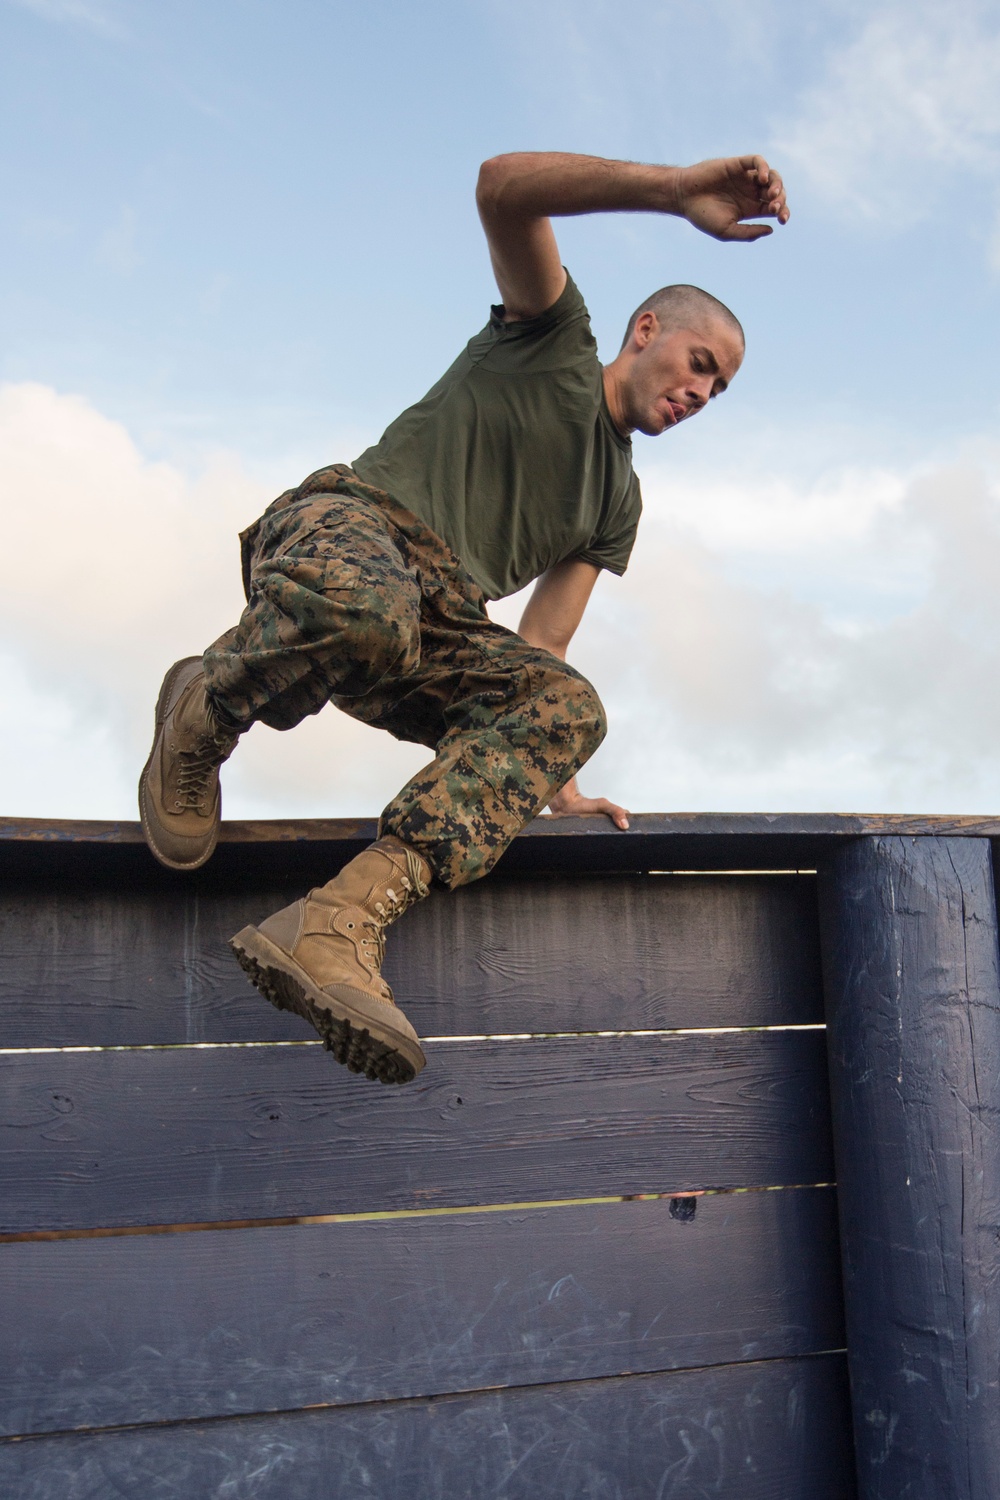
(160, 716)
(356, 1040)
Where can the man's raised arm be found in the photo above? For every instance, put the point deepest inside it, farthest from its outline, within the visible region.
(518, 194)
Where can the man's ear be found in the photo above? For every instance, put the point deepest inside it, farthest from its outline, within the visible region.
(647, 326)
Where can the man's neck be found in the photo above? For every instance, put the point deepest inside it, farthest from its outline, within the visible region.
(611, 375)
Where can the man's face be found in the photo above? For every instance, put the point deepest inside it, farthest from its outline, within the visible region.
(676, 372)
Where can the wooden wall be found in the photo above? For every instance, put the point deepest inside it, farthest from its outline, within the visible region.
(505, 1287)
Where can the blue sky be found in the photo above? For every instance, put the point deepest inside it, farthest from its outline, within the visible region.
(248, 223)
(240, 237)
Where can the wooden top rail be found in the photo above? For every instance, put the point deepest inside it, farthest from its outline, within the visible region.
(656, 841)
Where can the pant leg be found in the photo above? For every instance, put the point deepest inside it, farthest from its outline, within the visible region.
(352, 599)
(333, 607)
(510, 724)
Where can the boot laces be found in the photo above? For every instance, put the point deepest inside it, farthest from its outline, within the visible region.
(411, 888)
(194, 772)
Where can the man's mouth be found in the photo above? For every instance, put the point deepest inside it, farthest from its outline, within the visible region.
(677, 412)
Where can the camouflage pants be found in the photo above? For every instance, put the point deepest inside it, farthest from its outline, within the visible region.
(353, 600)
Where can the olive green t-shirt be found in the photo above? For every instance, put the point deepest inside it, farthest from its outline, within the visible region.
(512, 458)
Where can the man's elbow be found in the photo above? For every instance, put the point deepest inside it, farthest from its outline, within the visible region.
(556, 642)
(494, 177)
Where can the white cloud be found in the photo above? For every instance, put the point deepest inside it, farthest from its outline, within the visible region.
(903, 112)
(116, 567)
(774, 512)
(866, 685)
(774, 645)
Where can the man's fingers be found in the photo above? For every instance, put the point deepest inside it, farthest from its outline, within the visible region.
(618, 815)
(769, 188)
(587, 806)
(747, 232)
(776, 199)
(755, 166)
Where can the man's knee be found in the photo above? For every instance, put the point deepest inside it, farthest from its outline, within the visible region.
(589, 716)
(575, 712)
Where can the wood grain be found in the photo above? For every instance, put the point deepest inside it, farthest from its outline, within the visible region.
(104, 1332)
(912, 966)
(190, 1135)
(332, 830)
(104, 966)
(311, 850)
(777, 1430)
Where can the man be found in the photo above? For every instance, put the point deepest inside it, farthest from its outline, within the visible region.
(367, 586)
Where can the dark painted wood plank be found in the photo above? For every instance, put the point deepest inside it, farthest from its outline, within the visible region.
(705, 824)
(912, 964)
(776, 1430)
(255, 1320)
(116, 966)
(312, 850)
(194, 1135)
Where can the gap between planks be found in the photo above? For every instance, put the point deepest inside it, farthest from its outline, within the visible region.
(500, 1036)
(398, 1401)
(729, 872)
(397, 1213)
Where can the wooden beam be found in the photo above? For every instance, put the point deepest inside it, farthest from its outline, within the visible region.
(311, 849)
(190, 1135)
(777, 1430)
(913, 1006)
(109, 1331)
(117, 966)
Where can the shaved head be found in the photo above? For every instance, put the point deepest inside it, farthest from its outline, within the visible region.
(682, 348)
(685, 307)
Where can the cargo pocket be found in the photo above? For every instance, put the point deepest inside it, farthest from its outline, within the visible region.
(320, 573)
(316, 598)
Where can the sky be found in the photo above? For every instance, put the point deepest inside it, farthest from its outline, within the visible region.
(240, 238)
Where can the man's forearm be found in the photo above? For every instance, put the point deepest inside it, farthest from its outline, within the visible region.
(542, 639)
(556, 604)
(544, 184)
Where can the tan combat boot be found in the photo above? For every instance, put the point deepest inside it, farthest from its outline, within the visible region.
(321, 958)
(179, 798)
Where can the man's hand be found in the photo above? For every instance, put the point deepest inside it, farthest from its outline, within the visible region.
(716, 196)
(570, 803)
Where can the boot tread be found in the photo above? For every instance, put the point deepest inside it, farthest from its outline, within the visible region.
(274, 975)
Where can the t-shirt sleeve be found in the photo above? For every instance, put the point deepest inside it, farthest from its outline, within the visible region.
(559, 337)
(612, 547)
(568, 305)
